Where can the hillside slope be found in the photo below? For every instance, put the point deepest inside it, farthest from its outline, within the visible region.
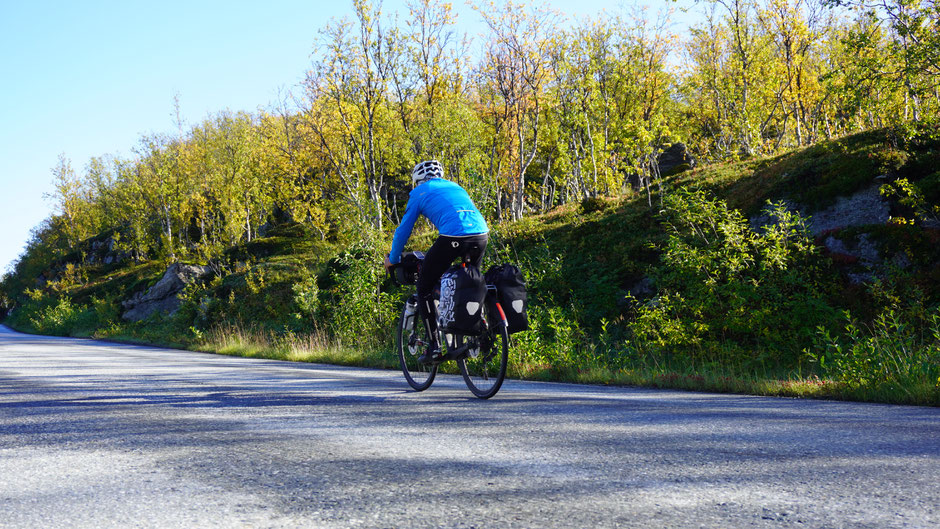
(706, 286)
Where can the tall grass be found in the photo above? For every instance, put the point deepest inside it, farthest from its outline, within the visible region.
(256, 342)
(893, 359)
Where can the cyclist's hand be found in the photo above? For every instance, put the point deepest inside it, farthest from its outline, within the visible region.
(388, 265)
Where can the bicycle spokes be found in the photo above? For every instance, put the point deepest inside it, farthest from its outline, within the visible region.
(412, 338)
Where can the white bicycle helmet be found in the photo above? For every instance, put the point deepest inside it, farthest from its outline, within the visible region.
(427, 169)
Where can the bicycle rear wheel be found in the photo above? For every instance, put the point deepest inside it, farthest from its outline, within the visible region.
(412, 338)
(484, 368)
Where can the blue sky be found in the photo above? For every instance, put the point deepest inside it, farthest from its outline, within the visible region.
(88, 78)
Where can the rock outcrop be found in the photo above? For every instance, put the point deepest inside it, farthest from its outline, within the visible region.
(860, 256)
(862, 208)
(164, 296)
(103, 252)
(675, 159)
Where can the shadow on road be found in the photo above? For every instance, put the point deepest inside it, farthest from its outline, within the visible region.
(311, 435)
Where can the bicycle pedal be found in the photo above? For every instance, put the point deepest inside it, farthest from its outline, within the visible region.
(431, 358)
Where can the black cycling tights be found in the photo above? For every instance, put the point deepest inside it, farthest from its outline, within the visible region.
(438, 259)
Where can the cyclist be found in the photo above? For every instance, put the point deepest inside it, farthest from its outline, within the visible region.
(462, 232)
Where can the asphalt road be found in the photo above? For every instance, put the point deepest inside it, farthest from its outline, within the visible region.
(101, 435)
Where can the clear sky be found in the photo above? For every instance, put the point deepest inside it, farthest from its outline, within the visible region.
(87, 78)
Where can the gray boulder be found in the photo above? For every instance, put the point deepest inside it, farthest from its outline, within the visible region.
(862, 208)
(642, 289)
(164, 296)
(102, 251)
(860, 256)
(675, 159)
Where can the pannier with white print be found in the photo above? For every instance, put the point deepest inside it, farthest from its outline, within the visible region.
(462, 294)
(511, 294)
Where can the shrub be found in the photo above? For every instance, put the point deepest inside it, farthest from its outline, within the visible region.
(592, 204)
(359, 312)
(55, 316)
(910, 196)
(724, 287)
(896, 353)
(307, 299)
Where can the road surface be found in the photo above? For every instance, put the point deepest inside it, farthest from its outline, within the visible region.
(101, 435)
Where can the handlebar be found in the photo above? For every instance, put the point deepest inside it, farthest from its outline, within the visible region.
(406, 271)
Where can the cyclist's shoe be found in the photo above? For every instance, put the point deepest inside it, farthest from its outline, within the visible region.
(431, 356)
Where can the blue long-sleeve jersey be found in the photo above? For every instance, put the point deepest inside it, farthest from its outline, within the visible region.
(446, 205)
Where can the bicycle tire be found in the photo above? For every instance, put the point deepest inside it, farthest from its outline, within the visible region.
(484, 373)
(419, 376)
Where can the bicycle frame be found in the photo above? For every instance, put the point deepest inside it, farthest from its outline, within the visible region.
(474, 353)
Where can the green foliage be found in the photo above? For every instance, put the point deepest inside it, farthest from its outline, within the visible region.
(307, 298)
(725, 289)
(592, 204)
(56, 318)
(359, 312)
(930, 187)
(894, 355)
(913, 199)
(59, 315)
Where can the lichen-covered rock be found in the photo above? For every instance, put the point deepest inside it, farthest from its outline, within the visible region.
(860, 257)
(863, 208)
(163, 297)
(860, 209)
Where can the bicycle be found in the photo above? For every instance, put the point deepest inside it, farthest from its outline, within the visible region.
(481, 358)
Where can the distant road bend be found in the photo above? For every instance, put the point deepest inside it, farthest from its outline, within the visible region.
(96, 434)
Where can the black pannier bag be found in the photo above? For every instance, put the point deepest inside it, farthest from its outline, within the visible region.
(511, 293)
(463, 291)
(406, 272)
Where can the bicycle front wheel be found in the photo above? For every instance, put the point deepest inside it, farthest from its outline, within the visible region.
(484, 368)
(412, 338)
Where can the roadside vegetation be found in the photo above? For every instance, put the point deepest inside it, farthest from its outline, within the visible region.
(699, 274)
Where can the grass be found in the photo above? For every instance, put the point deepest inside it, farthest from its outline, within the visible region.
(255, 342)
(814, 176)
(314, 347)
(317, 348)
